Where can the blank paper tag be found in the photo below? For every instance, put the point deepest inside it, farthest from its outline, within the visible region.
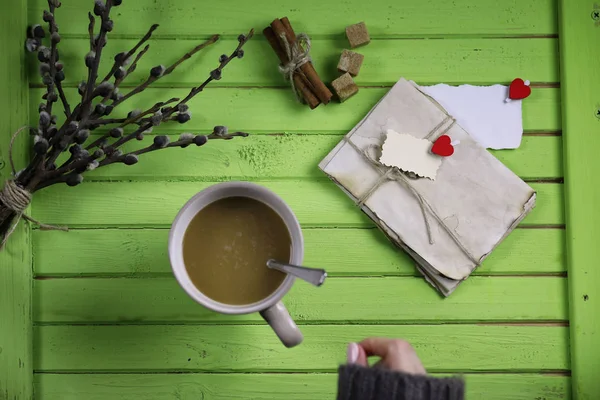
(409, 154)
(482, 111)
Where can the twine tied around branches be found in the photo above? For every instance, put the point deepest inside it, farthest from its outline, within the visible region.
(17, 198)
(298, 54)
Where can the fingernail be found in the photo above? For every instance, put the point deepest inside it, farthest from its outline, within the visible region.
(352, 353)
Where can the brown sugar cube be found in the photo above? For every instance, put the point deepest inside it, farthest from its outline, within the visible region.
(350, 62)
(357, 35)
(344, 87)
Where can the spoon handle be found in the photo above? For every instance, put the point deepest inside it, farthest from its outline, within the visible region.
(315, 276)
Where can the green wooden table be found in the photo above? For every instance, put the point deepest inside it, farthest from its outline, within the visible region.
(96, 314)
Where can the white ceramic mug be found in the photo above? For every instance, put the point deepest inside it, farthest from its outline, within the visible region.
(271, 308)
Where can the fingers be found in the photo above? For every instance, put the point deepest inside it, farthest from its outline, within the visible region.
(379, 346)
(356, 355)
(362, 357)
(395, 354)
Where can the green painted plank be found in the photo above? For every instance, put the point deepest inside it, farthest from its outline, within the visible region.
(16, 372)
(382, 301)
(269, 386)
(580, 66)
(155, 204)
(389, 19)
(541, 111)
(549, 205)
(454, 61)
(296, 156)
(442, 348)
(143, 252)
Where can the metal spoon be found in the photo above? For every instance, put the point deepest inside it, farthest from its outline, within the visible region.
(316, 276)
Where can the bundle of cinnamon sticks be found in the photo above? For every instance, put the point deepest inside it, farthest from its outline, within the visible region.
(306, 80)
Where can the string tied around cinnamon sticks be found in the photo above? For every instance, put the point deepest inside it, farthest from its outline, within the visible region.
(295, 63)
(17, 198)
(298, 54)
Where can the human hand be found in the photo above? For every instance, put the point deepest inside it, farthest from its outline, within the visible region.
(396, 355)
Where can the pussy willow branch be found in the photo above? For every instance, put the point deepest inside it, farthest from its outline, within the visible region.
(179, 143)
(122, 59)
(119, 62)
(93, 70)
(110, 149)
(91, 26)
(85, 117)
(63, 99)
(127, 121)
(149, 111)
(39, 164)
(55, 38)
(151, 79)
(214, 75)
(51, 140)
(217, 72)
(53, 59)
(130, 70)
(77, 167)
(107, 121)
(84, 109)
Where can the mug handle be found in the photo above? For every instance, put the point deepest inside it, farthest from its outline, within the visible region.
(284, 326)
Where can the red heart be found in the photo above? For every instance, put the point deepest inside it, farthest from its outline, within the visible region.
(442, 146)
(518, 90)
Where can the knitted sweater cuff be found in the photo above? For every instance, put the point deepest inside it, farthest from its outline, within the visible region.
(360, 383)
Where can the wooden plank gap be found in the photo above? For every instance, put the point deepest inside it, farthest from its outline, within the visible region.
(542, 133)
(232, 85)
(544, 180)
(316, 37)
(529, 323)
(176, 130)
(308, 323)
(304, 227)
(292, 372)
(298, 373)
(542, 226)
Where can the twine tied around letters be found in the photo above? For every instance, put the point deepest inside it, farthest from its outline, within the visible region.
(298, 54)
(395, 174)
(17, 198)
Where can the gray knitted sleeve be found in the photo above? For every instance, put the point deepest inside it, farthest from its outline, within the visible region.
(360, 383)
